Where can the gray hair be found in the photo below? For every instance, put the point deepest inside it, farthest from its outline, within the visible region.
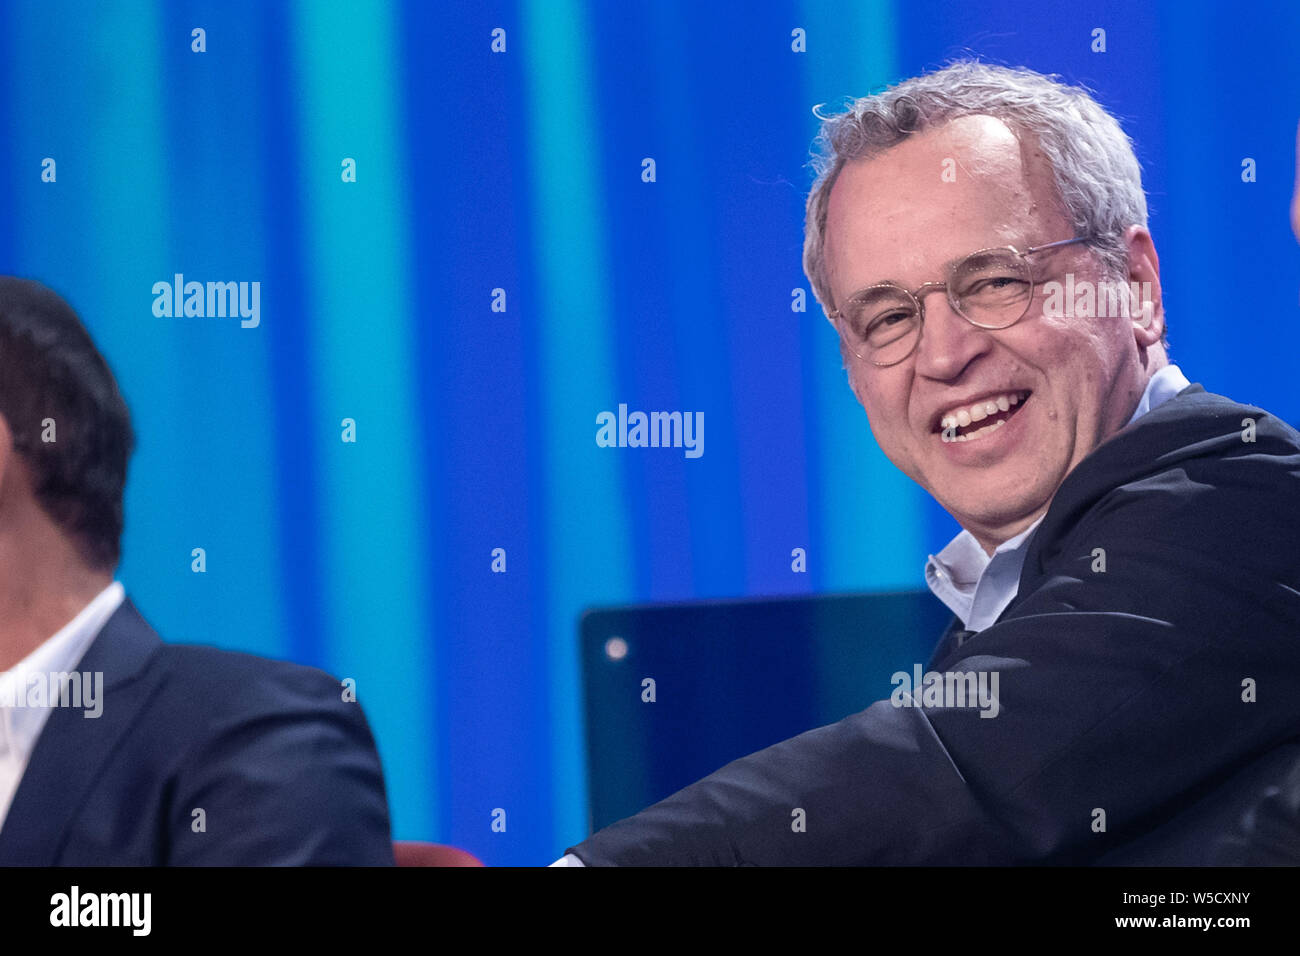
(1096, 171)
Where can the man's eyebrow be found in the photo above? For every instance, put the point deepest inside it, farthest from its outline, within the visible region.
(1020, 244)
(944, 269)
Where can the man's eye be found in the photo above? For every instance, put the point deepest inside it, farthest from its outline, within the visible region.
(996, 284)
(887, 319)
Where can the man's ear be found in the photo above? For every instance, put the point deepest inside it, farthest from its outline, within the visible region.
(1148, 312)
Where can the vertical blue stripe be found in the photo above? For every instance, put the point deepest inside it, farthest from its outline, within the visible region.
(219, 225)
(587, 551)
(706, 321)
(362, 302)
(296, 465)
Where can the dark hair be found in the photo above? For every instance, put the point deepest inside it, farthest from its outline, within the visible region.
(50, 369)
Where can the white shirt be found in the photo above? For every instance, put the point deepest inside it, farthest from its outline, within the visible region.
(976, 587)
(20, 726)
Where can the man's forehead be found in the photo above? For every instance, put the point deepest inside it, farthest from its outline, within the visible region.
(971, 180)
(976, 136)
(942, 168)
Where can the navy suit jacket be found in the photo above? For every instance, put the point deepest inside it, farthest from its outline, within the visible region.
(1143, 708)
(283, 769)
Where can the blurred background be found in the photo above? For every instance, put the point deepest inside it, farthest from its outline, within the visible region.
(475, 427)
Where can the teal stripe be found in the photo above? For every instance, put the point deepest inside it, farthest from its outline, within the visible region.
(360, 278)
(872, 515)
(587, 538)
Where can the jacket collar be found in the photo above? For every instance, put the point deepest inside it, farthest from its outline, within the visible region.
(71, 753)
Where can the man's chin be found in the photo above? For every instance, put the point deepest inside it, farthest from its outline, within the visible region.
(998, 524)
(1001, 496)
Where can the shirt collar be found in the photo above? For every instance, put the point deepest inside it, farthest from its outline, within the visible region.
(21, 725)
(1164, 385)
(964, 559)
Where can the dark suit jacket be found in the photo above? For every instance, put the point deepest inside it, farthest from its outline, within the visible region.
(1121, 690)
(283, 769)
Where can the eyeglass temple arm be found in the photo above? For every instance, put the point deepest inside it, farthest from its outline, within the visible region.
(1061, 242)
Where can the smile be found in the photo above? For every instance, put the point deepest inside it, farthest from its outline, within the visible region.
(979, 420)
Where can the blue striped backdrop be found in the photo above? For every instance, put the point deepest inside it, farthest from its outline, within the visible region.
(521, 171)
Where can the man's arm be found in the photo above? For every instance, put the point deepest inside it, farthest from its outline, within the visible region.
(1119, 691)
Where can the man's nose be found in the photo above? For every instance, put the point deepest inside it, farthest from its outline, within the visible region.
(948, 342)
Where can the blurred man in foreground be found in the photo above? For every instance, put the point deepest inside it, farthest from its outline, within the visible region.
(115, 748)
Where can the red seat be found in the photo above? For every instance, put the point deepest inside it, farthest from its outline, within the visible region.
(411, 853)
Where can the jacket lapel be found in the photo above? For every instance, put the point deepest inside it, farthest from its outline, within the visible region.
(72, 749)
(954, 636)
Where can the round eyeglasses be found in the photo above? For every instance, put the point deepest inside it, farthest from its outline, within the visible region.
(990, 289)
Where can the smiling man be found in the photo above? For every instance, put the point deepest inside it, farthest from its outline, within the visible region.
(1127, 565)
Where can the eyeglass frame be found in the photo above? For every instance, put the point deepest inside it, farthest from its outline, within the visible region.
(918, 295)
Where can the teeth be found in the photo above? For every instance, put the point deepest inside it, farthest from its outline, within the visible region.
(979, 411)
(978, 433)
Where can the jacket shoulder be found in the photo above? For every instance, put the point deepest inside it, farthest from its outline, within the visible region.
(1201, 495)
(1196, 412)
(279, 756)
(1196, 444)
(215, 678)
